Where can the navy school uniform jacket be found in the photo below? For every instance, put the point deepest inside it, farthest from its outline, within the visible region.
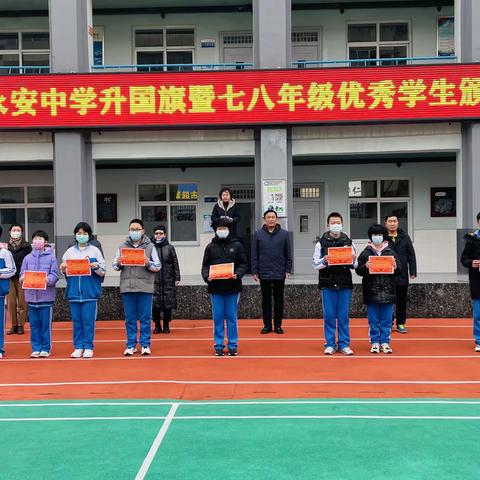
(7, 270)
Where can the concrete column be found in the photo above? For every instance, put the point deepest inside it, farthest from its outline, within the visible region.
(74, 170)
(272, 49)
(468, 160)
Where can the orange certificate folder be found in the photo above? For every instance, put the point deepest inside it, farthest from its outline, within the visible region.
(35, 280)
(78, 268)
(380, 264)
(132, 257)
(223, 271)
(340, 255)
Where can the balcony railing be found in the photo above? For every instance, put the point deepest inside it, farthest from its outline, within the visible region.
(24, 70)
(173, 67)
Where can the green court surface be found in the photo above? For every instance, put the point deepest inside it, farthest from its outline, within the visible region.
(259, 440)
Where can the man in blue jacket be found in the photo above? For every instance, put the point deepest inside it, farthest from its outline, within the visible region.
(271, 264)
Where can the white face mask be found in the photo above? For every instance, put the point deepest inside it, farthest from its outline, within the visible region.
(377, 239)
(223, 233)
(336, 228)
(15, 235)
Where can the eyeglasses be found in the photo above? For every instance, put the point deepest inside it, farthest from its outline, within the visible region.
(136, 229)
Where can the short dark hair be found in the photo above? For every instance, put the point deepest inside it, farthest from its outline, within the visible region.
(40, 233)
(334, 214)
(391, 215)
(15, 225)
(85, 227)
(270, 211)
(478, 217)
(161, 228)
(225, 189)
(377, 229)
(137, 220)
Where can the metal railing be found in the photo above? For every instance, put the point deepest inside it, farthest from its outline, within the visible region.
(173, 67)
(24, 70)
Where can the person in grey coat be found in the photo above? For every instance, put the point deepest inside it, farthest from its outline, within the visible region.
(271, 264)
(166, 280)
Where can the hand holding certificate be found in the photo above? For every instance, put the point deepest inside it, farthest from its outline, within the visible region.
(340, 256)
(34, 280)
(132, 257)
(78, 268)
(381, 265)
(224, 271)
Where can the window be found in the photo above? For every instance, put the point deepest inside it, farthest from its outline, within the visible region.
(306, 47)
(27, 49)
(173, 205)
(370, 201)
(370, 41)
(162, 46)
(31, 206)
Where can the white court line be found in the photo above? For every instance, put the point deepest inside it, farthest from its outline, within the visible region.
(244, 382)
(156, 443)
(73, 419)
(226, 358)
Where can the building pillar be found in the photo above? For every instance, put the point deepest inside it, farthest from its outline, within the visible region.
(74, 170)
(273, 152)
(468, 160)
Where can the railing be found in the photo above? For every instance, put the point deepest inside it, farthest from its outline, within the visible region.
(174, 67)
(364, 62)
(24, 70)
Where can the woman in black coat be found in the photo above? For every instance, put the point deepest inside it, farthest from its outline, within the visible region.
(226, 209)
(166, 281)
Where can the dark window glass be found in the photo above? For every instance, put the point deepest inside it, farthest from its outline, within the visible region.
(362, 33)
(397, 51)
(153, 216)
(394, 188)
(362, 215)
(35, 41)
(399, 209)
(362, 188)
(184, 223)
(8, 41)
(360, 53)
(393, 32)
(9, 216)
(149, 58)
(180, 38)
(40, 194)
(179, 58)
(149, 38)
(152, 193)
(12, 195)
(41, 219)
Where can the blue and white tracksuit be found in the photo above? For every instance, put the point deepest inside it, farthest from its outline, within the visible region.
(7, 270)
(83, 293)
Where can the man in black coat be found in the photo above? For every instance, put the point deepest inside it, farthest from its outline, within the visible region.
(401, 243)
(271, 264)
(225, 291)
(166, 280)
(471, 259)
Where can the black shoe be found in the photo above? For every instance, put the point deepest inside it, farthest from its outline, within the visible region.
(13, 330)
(166, 329)
(20, 330)
(218, 352)
(232, 352)
(279, 330)
(265, 330)
(157, 330)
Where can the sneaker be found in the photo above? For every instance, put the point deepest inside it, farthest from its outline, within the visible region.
(386, 348)
(477, 347)
(129, 351)
(401, 329)
(219, 352)
(87, 353)
(375, 348)
(329, 351)
(346, 351)
(44, 354)
(1, 355)
(265, 330)
(34, 354)
(146, 351)
(232, 352)
(77, 353)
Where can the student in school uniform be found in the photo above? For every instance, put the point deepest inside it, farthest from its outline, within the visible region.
(7, 271)
(137, 286)
(82, 291)
(40, 302)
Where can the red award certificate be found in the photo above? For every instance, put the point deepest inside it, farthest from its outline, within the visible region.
(224, 271)
(78, 268)
(132, 257)
(34, 280)
(382, 265)
(340, 255)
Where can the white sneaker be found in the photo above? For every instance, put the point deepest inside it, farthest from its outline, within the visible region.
(477, 347)
(375, 348)
(1, 355)
(87, 353)
(329, 351)
(146, 351)
(129, 351)
(44, 354)
(386, 348)
(77, 353)
(34, 354)
(346, 351)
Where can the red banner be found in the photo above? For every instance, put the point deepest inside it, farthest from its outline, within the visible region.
(311, 96)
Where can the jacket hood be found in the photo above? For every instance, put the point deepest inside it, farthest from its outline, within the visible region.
(385, 245)
(41, 253)
(326, 236)
(231, 203)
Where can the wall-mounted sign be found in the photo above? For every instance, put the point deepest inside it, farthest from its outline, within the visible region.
(274, 195)
(207, 43)
(445, 36)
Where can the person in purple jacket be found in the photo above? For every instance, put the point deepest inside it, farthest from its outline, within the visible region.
(40, 302)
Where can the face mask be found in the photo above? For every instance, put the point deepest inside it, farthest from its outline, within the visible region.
(336, 228)
(15, 235)
(82, 238)
(134, 235)
(223, 233)
(377, 239)
(160, 240)
(38, 243)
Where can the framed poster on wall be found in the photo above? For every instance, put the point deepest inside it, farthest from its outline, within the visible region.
(443, 202)
(106, 207)
(445, 36)
(274, 196)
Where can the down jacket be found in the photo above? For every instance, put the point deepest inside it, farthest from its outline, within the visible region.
(165, 291)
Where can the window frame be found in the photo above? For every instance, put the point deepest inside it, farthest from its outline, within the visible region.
(168, 203)
(378, 44)
(165, 48)
(378, 200)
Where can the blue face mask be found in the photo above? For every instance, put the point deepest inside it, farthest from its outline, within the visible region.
(377, 239)
(81, 238)
(134, 235)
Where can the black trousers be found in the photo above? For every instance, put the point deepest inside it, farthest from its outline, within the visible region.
(156, 314)
(275, 287)
(401, 304)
